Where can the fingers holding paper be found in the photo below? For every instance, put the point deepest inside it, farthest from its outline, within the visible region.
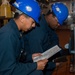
(41, 64)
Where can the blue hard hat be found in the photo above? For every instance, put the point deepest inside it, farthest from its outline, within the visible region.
(29, 7)
(61, 11)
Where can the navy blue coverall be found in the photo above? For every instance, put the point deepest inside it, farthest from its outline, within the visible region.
(39, 40)
(10, 49)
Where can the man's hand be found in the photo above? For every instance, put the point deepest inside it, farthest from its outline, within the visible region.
(58, 64)
(35, 54)
(41, 64)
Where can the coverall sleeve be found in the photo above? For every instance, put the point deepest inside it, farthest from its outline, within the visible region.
(54, 38)
(50, 66)
(32, 45)
(55, 41)
(9, 55)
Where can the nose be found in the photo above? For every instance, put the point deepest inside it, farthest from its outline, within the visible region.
(33, 25)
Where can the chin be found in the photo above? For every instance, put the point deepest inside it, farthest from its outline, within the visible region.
(25, 30)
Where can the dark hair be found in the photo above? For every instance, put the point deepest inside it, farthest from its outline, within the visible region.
(49, 12)
(17, 15)
(12, 1)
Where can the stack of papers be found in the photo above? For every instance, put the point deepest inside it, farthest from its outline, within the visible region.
(48, 53)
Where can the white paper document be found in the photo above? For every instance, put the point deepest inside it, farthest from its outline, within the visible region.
(48, 53)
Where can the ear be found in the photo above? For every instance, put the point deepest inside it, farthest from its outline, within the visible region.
(22, 18)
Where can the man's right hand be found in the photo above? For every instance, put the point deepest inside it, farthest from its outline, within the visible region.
(41, 64)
